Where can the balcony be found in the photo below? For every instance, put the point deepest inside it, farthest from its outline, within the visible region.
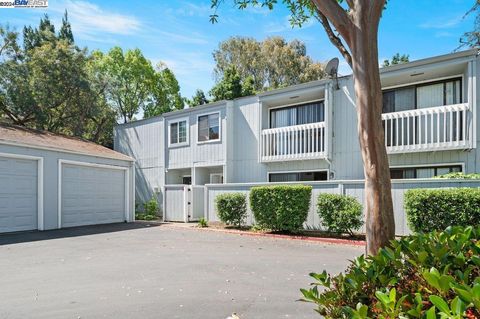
(429, 129)
(298, 142)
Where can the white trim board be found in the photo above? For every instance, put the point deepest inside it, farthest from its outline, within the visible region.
(40, 212)
(187, 127)
(61, 150)
(88, 164)
(219, 139)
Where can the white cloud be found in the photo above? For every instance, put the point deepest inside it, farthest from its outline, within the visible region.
(442, 23)
(89, 20)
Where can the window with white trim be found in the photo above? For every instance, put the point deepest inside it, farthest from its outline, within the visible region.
(178, 132)
(209, 127)
(423, 171)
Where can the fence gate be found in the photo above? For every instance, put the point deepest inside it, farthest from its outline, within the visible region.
(183, 203)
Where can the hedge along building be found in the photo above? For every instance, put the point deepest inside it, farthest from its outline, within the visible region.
(307, 133)
(50, 181)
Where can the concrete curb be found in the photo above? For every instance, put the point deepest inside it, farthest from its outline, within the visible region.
(322, 240)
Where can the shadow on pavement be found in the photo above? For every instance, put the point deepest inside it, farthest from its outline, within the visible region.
(31, 236)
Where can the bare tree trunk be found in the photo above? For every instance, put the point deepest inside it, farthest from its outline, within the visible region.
(380, 221)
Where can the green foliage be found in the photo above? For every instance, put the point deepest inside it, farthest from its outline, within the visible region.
(434, 209)
(280, 208)
(459, 175)
(202, 223)
(150, 210)
(231, 86)
(231, 208)
(340, 213)
(65, 32)
(198, 99)
(267, 64)
(471, 39)
(396, 59)
(434, 275)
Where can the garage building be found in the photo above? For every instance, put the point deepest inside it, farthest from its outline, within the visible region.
(50, 181)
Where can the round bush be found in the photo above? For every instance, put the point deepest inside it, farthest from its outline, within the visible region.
(280, 208)
(340, 213)
(231, 208)
(433, 275)
(435, 209)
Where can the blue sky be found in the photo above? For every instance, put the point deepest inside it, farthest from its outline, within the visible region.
(179, 32)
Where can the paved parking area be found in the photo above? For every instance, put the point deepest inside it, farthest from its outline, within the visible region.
(135, 271)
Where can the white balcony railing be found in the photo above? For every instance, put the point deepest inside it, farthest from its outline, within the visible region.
(429, 129)
(299, 142)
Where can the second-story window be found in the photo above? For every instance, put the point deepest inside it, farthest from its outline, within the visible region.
(178, 133)
(425, 95)
(297, 114)
(209, 127)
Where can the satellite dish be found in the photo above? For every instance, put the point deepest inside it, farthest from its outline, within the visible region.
(332, 67)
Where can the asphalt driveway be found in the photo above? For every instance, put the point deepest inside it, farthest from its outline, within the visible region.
(134, 271)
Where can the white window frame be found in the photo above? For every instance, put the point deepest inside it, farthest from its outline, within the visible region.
(295, 104)
(219, 139)
(216, 174)
(187, 142)
(299, 171)
(40, 191)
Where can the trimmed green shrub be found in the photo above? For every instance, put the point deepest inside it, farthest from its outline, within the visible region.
(434, 275)
(434, 209)
(281, 207)
(340, 213)
(458, 175)
(231, 208)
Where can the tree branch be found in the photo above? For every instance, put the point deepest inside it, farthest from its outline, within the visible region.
(337, 15)
(336, 41)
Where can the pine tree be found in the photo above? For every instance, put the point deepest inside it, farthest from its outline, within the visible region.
(66, 33)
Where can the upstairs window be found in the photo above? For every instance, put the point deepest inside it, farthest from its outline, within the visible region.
(178, 133)
(209, 127)
(425, 95)
(312, 112)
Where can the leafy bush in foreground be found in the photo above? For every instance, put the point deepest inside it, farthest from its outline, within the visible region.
(280, 207)
(339, 213)
(435, 209)
(434, 275)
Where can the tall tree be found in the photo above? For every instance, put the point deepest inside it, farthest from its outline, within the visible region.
(231, 86)
(65, 32)
(128, 80)
(471, 39)
(198, 98)
(396, 59)
(165, 93)
(271, 63)
(356, 37)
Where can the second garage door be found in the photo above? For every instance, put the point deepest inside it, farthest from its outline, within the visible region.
(92, 195)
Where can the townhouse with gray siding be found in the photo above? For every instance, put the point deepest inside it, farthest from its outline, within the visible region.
(308, 132)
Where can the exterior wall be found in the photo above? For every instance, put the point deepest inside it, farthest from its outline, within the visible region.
(196, 154)
(50, 177)
(144, 141)
(243, 119)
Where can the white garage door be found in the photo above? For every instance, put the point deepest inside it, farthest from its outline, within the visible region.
(92, 195)
(18, 194)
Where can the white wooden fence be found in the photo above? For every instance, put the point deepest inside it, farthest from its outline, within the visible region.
(353, 188)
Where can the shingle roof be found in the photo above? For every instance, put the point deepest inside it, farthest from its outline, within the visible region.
(13, 134)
